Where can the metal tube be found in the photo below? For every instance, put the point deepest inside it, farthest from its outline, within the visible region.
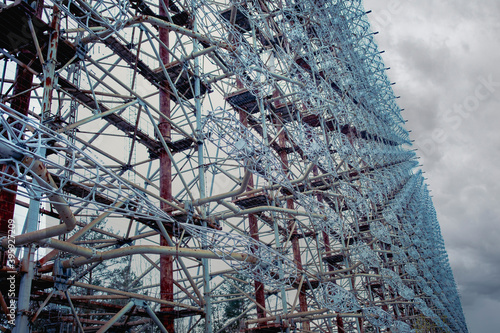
(47, 299)
(120, 292)
(155, 318)
(80, 327)
(27, 270)
(3, 304)
(20, 103)
(66, 247)
(35, 41)
(253, 227)
(91, 255)
(99, 297)
(201, 174)
(96, 116)
(82, 231)
(183, 31)
(287, 316)
(116, 317)
(62, 207)
(251, 307)
(196, 54)
(227, 215)
(165, 234)
(293, 182)
(164, 133)
(49, 67)
(309, 316)
(241, 189)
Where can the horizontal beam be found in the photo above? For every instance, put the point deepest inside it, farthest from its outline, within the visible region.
(119, 292)
(88, 255)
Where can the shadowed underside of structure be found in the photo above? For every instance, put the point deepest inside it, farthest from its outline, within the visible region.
(203, 166)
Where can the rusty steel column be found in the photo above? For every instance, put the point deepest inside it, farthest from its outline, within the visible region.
(326, 240)
(340, 325)
(282, 139)
(260, 296)
(7, 205)
(360, 325)
(166, 261)
(20, 103)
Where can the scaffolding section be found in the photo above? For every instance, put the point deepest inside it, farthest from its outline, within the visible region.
(210, 166)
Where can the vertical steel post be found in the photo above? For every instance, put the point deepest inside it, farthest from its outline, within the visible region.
(340, 324)
(326, 241)
(166, 262)
(27, 273)
(49, 68)
(201, 175)
(260, 296)
(153, 316)
(34, 208)
(282, 140)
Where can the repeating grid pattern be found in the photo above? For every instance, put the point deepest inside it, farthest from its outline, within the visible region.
(291, 169)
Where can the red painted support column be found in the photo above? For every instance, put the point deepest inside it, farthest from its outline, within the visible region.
(282, 139)
(340, 324)
(166, 262)
(360, 324)
(326, 240)
(7, 204)
(21, 103)
(260, 296)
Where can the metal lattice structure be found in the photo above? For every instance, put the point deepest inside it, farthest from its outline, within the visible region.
(156, 153)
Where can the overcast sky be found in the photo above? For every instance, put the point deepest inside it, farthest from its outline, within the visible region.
(444, 57)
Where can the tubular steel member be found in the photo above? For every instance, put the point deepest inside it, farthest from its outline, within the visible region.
(244, 187)
(117, 317)
(49, 78)
(76, 236)
(295, 238)
(207, 295)
(65, 214)
(91, 255)
(155, 318)
(27, 272)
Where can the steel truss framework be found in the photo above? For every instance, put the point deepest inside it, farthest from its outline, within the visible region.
(211, 143)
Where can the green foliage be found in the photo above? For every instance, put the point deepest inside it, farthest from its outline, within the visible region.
(236, 304)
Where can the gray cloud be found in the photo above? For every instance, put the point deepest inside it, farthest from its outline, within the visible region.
(443, 56)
